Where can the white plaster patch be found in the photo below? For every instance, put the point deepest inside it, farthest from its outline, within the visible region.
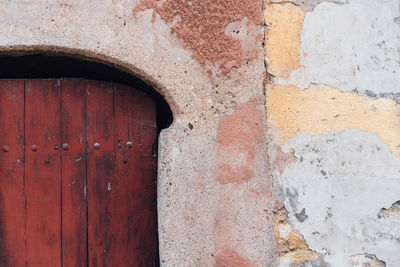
(335, 191)
(352, 47)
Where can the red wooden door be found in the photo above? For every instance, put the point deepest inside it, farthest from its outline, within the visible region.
(77, 174)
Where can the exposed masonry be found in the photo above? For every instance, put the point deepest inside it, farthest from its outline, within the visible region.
(294, 250)
(292, 244)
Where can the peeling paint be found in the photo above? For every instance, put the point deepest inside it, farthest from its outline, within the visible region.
(239, 138)
(292, 244)
(344, 203)
(205, 28)
(321, 110)
(308, 5)
(351, 47)
(282, 42)
(333, 115)
(280, 159)
(364, 260)
(392, 211)
(108, 186)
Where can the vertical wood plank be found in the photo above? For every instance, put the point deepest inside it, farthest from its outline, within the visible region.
(12, 199)
(72, 146)
(42, 180)
(122, 213)
(100, 170)
(145, 175)
(128, 185)
(125, 247)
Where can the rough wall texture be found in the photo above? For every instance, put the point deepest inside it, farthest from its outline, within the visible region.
(283, 152)
(334, 121)
(220, 34)
(206, 58)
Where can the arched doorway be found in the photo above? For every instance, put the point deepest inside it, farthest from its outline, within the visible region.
(78, 169)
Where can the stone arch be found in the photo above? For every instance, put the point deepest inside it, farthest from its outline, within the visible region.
(89, 56)
(169, 139)
(50, 64)
(39, 64)
(198, 224)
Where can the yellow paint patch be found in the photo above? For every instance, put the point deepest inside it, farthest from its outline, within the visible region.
(300, 255)
(320, 110)
(282, 42)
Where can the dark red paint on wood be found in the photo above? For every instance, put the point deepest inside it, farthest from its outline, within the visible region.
(129, 185)
(42, 173)
(126, 248)
(72, 147)
(145, 202)
(100, 170)
(78, 194)
(12, 199)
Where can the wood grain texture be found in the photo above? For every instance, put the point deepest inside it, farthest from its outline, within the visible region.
(42, 183)
(130, 219)
(100, 170)
(12, 198)
(77, 204)
(145, 203)
(73, 176)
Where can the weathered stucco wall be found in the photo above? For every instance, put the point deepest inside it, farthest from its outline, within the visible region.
(334, 122)
(284, 149)
(206, 58)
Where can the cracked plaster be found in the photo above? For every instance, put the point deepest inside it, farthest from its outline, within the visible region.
(342, 198)
(201, 222)
(321, 109)
(352, 47)
(334, 125)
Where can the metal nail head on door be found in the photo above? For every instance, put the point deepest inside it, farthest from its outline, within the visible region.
(96, 146)
(65, 146)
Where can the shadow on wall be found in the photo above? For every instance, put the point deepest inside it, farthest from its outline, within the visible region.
(54, 66)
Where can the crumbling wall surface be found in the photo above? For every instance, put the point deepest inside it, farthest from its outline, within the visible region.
(206, 58)
(329, 79)
(333, 116)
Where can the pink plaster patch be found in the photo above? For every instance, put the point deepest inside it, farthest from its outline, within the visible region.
(282, 160)
(230, 258)
(205, 28)
(239, 137)
(225, 226)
